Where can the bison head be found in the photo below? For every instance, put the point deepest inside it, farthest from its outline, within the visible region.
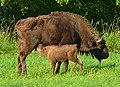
(100, 51)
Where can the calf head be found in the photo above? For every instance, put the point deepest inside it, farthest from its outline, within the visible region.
(41, 49)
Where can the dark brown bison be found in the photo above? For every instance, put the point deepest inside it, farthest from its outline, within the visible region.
(58, 28)
(60, 53)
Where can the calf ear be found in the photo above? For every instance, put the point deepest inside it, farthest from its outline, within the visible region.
(44, 48)
(75, 45)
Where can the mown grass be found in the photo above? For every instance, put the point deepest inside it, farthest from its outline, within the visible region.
(39, 72)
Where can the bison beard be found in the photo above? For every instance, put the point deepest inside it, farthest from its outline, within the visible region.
(57, 28)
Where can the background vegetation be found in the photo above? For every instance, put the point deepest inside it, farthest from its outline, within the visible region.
(96, 10)
(104, 15)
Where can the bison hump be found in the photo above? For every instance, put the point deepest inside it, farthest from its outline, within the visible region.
(26, 24)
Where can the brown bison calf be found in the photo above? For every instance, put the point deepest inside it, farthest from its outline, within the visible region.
(60, 53)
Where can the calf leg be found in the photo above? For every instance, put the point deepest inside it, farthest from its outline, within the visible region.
(53, 67)
(80, 65)
(58, 67)
(76, 61)
(66, 65)
(73, 66)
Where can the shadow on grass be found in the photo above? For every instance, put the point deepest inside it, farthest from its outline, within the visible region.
(96, 68)
(89, 69)
(86, 70)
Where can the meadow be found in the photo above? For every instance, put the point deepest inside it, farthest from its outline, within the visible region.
(95, 74)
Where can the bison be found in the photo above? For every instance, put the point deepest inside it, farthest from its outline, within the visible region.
(58, 28)
(60, 53)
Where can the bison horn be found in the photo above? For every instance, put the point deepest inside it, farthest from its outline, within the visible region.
(99, 40)
(101, 37)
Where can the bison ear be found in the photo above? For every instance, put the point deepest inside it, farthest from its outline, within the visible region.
(92, 43)
(88, 45)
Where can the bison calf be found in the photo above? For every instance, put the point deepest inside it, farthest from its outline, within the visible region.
(60, 53)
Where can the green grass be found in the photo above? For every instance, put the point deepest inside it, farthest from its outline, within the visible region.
(39, 74)
(106, 74)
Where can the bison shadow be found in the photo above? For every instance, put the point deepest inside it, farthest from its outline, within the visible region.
(97, 68)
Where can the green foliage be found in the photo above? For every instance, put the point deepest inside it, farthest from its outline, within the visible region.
(62, 2)
(8, 37)
(25, 8)
(92, 9)
(118, 10)
(103, 26)
(2, 2)
(18, 9)
(117, 2)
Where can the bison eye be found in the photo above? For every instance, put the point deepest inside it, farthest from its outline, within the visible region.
(102, 46)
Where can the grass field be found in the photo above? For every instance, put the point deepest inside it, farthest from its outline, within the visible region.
(106, 74)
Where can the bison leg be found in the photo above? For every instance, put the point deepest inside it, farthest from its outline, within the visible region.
(58, 67)
(19, 66)
(22, 64)
(24, 49)
(66, 65)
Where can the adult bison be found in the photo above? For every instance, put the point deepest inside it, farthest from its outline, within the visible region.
(57, 28)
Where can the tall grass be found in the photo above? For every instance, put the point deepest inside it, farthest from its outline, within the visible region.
(113, 41)
(8, 37)
(7, 44)
(111, 34)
